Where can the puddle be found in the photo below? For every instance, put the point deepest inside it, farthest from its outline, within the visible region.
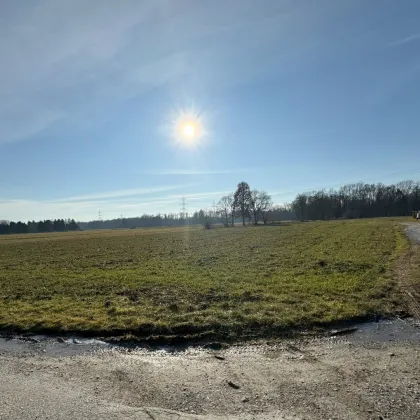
(395, 330)
(85, 341)
(41, 344)
(413, 231)
(387, 330)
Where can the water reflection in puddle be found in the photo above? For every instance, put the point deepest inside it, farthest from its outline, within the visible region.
(371, 332)
(387, 330)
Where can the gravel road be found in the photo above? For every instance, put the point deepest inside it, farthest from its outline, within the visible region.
(373, 373)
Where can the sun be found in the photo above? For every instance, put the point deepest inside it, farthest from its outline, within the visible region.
(188, 128)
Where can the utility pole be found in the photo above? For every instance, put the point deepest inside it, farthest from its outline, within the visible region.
(99, 215)
(184, 213)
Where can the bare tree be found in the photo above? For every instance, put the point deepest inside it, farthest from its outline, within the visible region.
(299, 206)
(232, 208)
(242, 201)
(265, 204)
(225, 209)
(254, 204)
(260, 204)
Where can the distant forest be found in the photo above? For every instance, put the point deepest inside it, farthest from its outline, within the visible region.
(359, 201)
(58, 225)
(348, 202)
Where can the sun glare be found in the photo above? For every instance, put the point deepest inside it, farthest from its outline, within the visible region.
(188, 128)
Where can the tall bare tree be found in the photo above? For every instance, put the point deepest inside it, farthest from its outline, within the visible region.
(232, 208)
(299, 206)
(261, 203)
(265, 204)
(242, 201)
(253, 207)
(226, 209)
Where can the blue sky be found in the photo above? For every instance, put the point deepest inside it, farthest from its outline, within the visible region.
(292, 95)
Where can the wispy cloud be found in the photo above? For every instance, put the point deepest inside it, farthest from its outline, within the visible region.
(200, 171)
(406, 40)
(111, 205)
(199, 196)
(123, 193)
(279, 193)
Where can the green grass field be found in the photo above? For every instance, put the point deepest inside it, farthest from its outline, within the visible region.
(236, 281)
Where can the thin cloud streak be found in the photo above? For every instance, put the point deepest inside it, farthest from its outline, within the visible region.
(122, 193)
(199, 195)
(85, 210)
(281, 193)
(200, 171)
(406, 40)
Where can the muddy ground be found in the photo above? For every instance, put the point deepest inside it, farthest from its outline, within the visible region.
(370, 373)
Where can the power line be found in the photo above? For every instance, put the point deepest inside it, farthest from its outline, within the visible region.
(184, 213)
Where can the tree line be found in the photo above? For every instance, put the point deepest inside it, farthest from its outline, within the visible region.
(359, 201)
(57, 225)
(244, 205)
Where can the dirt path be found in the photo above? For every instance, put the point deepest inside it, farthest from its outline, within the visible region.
(371, 374)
